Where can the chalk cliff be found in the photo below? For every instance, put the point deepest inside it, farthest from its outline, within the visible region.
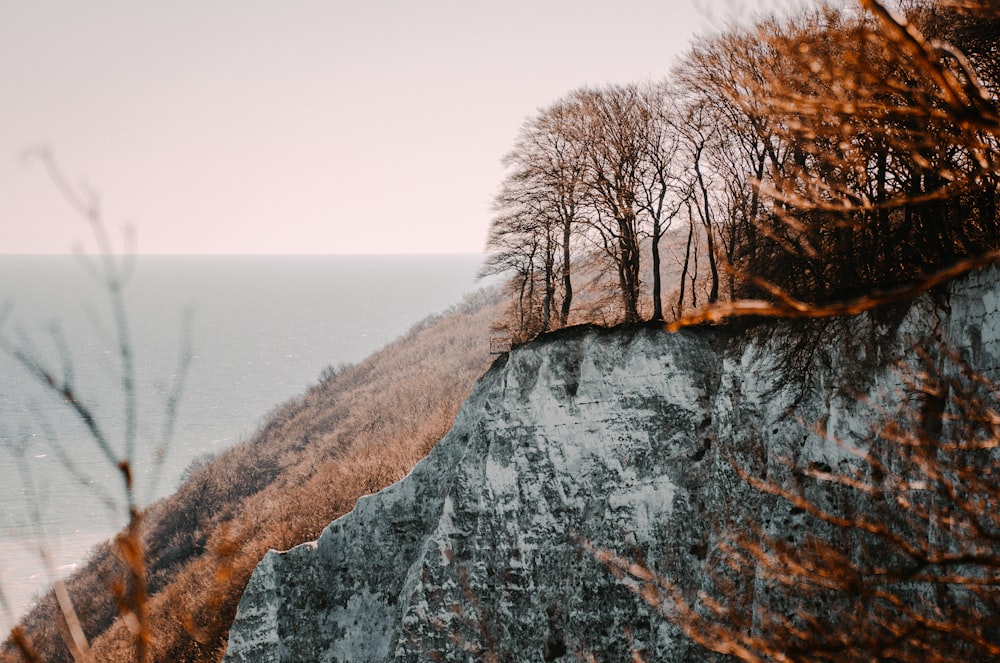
(627, 439)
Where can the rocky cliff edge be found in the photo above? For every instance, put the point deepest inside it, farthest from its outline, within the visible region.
(625, 438)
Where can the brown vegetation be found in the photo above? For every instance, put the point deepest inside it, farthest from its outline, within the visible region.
(361, 428)
(813, 159)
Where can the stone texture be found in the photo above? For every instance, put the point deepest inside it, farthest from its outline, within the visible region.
(626, 439)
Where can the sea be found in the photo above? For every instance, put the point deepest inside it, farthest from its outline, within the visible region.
(253, 331)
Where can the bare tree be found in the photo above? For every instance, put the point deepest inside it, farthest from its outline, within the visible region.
(615, 135)
(522, 243)
(538, 210)
(715, 85)
(601, 164)
(700, 134)
(665, 191)
(559, 166)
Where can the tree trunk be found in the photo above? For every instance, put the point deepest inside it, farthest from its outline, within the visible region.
(628, 243)
(713, 295)
(522, 325)
(550, 287)
(687, 260)
(706, 219)
(567, 281)
(657, 304)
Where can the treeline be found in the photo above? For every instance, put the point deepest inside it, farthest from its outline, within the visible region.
(813, 159)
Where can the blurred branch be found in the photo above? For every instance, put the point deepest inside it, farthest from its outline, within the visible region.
(112, 271)
(972, 105)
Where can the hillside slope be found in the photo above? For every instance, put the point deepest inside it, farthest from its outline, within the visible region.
(361, 428)
(632, 440)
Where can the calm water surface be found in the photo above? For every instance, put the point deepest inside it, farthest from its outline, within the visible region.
(261, 329)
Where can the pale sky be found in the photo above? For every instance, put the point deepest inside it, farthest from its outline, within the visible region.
(245, 127)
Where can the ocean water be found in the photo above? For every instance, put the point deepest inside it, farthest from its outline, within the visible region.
(261, 330)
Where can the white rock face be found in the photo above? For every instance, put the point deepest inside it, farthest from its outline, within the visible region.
(623, 438)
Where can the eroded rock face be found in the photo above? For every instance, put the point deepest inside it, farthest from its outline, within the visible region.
(626, 439)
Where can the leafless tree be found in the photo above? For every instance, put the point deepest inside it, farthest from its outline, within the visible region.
(615, 134)
(664, 189)
(599, 165)
(539, 209)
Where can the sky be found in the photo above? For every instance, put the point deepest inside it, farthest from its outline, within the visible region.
(299, 127)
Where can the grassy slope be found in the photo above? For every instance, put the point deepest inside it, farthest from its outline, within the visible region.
(356, 432)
